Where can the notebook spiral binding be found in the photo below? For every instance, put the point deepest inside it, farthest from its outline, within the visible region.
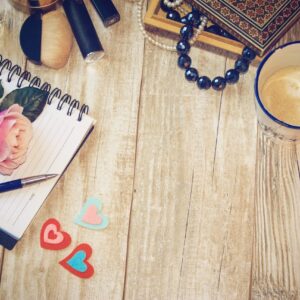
(16, 70)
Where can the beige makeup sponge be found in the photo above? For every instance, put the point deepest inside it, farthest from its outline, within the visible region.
(57, 40)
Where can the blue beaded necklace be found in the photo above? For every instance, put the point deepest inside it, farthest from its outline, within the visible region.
(191, 20)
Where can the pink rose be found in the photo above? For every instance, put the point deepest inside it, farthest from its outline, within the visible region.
(15, 135)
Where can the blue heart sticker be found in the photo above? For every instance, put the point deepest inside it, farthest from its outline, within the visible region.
(77, 261)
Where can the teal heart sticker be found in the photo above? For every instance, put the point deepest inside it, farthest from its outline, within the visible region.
(77, 262)
(91, 216)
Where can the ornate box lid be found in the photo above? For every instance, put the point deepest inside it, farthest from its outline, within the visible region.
(256, 23)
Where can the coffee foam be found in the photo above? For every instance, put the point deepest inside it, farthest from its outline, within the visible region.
(280, 95)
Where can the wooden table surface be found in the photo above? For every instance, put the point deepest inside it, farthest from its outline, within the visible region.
(201, 204)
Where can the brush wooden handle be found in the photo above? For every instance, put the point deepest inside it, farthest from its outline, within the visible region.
(57, 40)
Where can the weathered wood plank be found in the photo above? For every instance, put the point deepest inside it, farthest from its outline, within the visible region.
(217, 257)
(277, 239)
(184, 194)
(276, 257)
(104, 168)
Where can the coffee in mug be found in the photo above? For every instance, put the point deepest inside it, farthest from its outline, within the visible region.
(281, 95)
(277, 89)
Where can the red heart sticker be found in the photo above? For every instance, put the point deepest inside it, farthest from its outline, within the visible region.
(77, 262)
(51, 237)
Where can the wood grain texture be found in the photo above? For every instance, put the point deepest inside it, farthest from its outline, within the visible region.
(276, 256)
(277, 240)
(191, 221)
(104, 168)
(217, 256)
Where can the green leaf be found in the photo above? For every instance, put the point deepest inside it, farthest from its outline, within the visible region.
(1, 90)
(32, 99)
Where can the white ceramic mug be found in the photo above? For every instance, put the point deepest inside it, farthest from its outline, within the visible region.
(283, 56)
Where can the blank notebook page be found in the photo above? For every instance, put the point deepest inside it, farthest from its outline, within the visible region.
(56, 138)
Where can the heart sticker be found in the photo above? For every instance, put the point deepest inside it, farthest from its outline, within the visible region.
(51, 237)
(91, 216)
(77, 262)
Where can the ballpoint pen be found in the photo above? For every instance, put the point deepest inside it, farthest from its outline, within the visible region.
(19, 183)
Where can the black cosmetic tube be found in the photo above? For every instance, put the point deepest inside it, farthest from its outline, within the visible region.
(83, 29)
(107, 11)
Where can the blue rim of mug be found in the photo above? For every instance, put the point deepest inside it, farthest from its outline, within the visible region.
(256, 86)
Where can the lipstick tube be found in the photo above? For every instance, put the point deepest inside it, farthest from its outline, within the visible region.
(107, 11)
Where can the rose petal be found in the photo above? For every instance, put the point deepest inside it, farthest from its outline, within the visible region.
(6, 126)
(5, 171)
(15, 108)
(4, 150)
(20, 152)
(12, 139)
(12, 164)
(15, 135)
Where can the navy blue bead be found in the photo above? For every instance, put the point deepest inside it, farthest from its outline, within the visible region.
(173, 15)
(184, 61)
(164, 7)
(186, 32)
(204, 83)
(232, 76)
(218, 83)
(183, 47)
(191, 74)
(248, 54)
(190, 17)
(196, 13)
(184, 20)
(197, 23)
(187, 20)
(214, 29)
(193, 18)
(242, 65)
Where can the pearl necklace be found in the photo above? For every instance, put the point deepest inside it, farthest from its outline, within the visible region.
(173, 4)
(170, 4)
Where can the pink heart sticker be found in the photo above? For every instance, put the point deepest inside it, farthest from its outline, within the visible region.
(52, 235)
(91, 216)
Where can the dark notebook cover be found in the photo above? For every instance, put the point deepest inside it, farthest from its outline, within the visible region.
(258, 24)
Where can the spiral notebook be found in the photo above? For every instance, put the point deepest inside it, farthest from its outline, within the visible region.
(58, 133)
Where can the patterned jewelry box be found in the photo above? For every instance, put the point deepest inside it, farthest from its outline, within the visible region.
(257, 23)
